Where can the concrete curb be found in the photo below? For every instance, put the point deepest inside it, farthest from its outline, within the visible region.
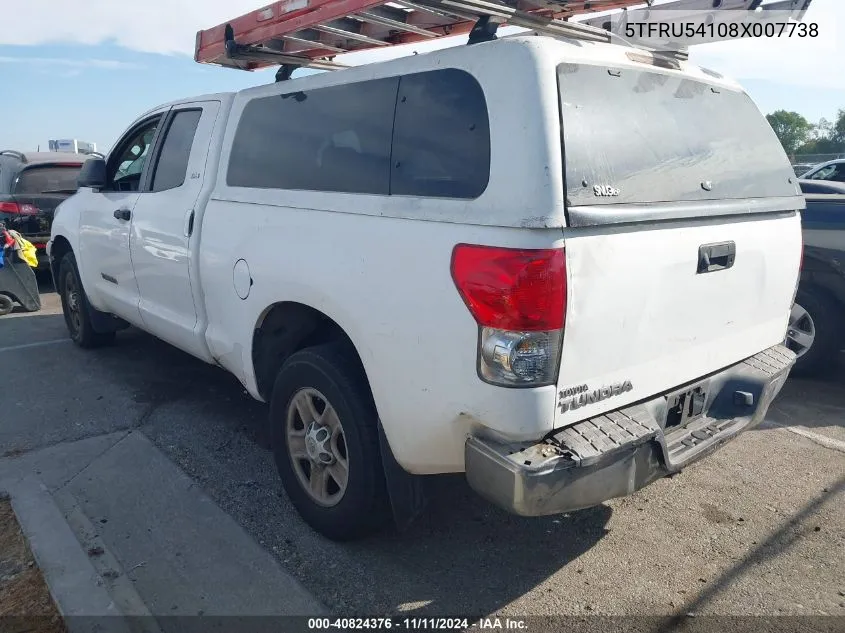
(76, 587)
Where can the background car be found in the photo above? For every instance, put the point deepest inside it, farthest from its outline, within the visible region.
(32, 184)
(802, 168)
(821, 187)
(817, 323)
(833, 170)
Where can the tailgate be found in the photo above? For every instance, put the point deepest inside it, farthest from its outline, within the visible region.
(684, 242)
(641, 319)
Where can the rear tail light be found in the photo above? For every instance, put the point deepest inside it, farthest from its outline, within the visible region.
(21, 209)
(518, 298)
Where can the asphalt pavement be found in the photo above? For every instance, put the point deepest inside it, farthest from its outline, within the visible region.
(756, 529)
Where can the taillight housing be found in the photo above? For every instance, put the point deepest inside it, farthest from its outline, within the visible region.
(518, 299)
(20, 209)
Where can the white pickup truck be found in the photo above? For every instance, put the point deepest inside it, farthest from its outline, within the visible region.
(563, 268)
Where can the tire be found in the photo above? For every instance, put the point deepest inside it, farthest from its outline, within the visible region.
(76, 309)
(328, 374)
(6, 305)
(823, 321)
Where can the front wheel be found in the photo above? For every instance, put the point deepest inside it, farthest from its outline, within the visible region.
(6, 305)
(76, 308)
(325, 442)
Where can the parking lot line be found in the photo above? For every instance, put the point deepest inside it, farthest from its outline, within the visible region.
(14, 348)
(822, 440)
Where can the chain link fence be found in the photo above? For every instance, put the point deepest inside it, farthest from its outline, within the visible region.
(813, 159)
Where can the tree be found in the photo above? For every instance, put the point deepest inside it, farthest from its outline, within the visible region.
(791, 128)
(837, 134)
(826, 138)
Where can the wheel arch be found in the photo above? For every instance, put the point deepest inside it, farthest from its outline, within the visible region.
(825, 281)
(60, 247)
(286, 327)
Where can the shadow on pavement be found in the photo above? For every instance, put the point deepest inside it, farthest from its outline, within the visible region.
(781, 540)
(461, 557)
(813, 403)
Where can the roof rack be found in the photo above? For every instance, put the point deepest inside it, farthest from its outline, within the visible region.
(310, 33)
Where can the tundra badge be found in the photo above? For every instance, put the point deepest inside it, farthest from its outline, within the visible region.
(582, 397)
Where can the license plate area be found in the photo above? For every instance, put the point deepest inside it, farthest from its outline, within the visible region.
(684, 407)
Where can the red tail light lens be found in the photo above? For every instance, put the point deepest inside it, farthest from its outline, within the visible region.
(14, 207)
(512, 289)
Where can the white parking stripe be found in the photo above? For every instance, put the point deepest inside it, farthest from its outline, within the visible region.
(14, 348)
(823, 440)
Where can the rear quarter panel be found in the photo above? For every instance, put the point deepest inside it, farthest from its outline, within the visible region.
(387, 283)
(379, 266)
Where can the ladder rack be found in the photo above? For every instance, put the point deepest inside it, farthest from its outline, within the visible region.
(299, 33)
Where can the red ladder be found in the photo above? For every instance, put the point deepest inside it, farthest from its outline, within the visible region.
(295, 33)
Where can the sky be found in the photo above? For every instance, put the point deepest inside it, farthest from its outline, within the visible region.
(86, 69)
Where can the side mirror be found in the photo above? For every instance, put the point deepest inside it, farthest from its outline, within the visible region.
(92, 174)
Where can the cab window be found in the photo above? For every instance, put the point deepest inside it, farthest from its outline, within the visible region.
(128, 165)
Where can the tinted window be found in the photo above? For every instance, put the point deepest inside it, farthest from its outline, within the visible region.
(639, 136)
(441, 142)
(172, 165)
(330, 139)
(37, 180)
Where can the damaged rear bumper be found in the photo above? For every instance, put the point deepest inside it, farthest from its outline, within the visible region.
(614, 454)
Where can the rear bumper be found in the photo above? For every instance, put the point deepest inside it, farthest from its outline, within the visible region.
(618, 453)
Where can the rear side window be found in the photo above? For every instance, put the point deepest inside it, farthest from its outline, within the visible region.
(425, 134)
(47, 179)
(441, 138)
(331, 139)
(172, 165)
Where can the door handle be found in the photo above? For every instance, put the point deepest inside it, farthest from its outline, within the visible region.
(122, 214)
(189, 223)
(715, 257)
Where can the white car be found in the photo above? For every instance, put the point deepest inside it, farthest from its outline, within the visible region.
(536, 261)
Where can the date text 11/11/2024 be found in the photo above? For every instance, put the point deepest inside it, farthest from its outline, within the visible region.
(431, 624)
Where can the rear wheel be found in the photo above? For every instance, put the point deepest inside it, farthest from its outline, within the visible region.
(814, 332)
(325, 441)
(76, 308)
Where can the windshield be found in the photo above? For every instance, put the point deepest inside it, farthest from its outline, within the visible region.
(52, 179)
(645, 136)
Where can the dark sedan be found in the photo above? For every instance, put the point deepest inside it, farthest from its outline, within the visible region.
(32, 184)
(817, 324)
